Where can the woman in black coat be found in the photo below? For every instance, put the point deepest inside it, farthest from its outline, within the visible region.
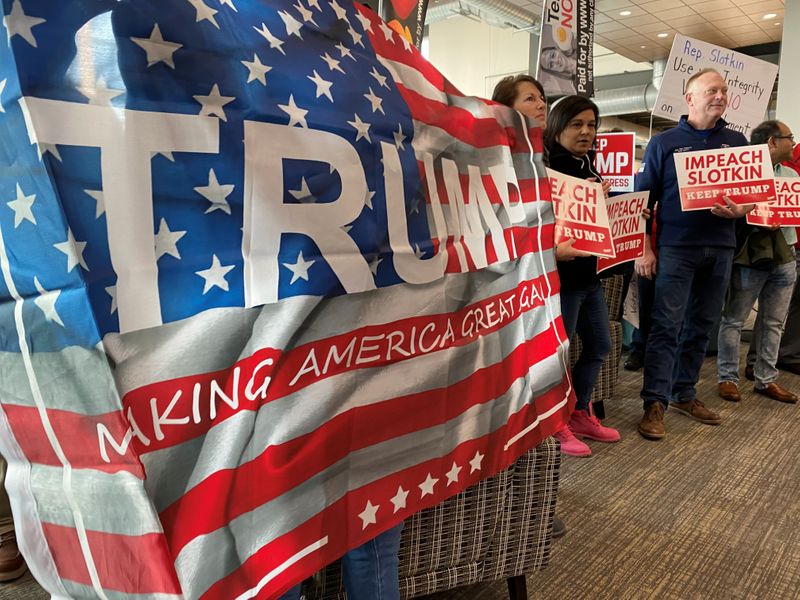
(569, 139)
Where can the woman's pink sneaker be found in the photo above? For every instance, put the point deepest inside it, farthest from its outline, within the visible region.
(570, 444)
(584, 424)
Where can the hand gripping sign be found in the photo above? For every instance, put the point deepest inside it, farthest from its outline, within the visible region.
(784, 212)
(742, 174)
(627, 228)
(580, 209)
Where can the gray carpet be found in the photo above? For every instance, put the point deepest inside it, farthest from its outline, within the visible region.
(708, 512)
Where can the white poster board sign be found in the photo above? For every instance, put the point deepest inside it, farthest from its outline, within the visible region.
(750, 82)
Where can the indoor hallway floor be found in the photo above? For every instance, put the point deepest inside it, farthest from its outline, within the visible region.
(706, 513)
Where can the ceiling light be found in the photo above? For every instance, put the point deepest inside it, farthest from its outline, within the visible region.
(642, 47)
(625, 13)
(770, 16)
(663, 35)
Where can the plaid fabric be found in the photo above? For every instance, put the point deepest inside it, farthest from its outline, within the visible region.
(496, 529)
(612, 289)
(522, 542)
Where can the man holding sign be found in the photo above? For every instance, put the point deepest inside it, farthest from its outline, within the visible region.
(764, 269)
(694, 260)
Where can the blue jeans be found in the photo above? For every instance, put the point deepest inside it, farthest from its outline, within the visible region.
(690, 287)
(773, 288)
(585, 312)
(646, 288)
(370, 571)
(789, 354)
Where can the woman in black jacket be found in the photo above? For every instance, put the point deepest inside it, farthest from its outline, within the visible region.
(569, 138)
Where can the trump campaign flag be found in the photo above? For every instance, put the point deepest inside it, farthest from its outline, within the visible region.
(270, 285)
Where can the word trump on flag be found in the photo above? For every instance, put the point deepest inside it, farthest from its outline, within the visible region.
(228, 233)
(580, 209)
(785, 211)
(627, 228)
(742, 174)
(614, 159)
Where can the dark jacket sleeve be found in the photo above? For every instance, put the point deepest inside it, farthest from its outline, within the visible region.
(650, 177)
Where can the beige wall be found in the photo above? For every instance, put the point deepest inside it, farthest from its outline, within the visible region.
(789, 85)
(474, 56)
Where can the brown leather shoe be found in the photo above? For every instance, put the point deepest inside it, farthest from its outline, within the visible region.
(776, 392)
(748, 373)
(729, 391)
(697, 411)
(12, 565)
(652, 424)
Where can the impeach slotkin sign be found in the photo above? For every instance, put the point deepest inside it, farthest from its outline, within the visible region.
(785, 211)
(580, 209)
(627, 228)
(742, 174)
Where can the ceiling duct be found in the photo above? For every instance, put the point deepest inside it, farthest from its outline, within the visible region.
(627, 100)
(445, 10)
(501, 12)
(659, 67)
(640, 98)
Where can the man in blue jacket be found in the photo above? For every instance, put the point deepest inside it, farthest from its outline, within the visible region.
(695, 252)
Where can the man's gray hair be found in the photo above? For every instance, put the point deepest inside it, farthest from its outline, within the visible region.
(700, 73)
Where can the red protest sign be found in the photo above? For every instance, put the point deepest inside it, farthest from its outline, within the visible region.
(627, 228)
(580, 210)
(614, 159)
(785, 211)
(742, 174)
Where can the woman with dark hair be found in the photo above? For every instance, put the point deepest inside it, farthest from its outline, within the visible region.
(525, 94)
(569, 138)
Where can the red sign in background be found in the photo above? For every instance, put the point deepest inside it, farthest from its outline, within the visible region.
(614, 159)
(786, 211)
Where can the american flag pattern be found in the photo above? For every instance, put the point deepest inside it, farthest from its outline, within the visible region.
(271, 285)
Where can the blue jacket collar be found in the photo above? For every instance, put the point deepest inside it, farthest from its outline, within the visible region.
(684, 124)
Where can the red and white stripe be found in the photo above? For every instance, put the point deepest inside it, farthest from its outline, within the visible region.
(325, 461)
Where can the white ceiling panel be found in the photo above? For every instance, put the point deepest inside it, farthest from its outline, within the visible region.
(606, 28)
(712, 5)
(674, 13)
(654, 27)
(608, 5)
(725, 22)
(661, 5)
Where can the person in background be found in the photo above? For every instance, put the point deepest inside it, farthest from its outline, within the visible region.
(695, 253)
(789, 353)
(793, 162)
(12, 565)
(569, 139)
(370, 571)
(763, 270)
